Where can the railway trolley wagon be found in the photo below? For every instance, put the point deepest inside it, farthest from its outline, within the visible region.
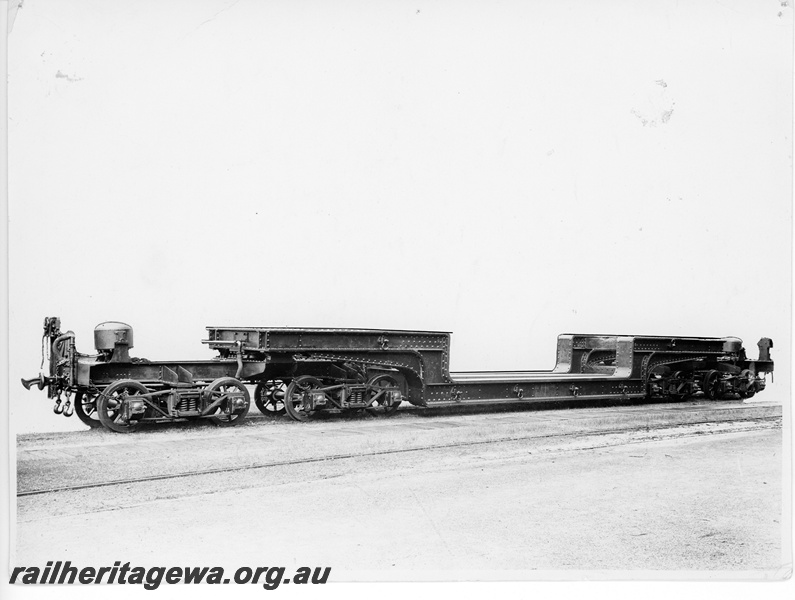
(303, 371)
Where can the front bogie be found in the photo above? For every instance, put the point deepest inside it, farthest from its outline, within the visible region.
(124, 405)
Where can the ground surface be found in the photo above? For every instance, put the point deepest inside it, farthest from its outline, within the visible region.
(668, 487)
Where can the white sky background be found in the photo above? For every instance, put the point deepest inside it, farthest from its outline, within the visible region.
(505, 170)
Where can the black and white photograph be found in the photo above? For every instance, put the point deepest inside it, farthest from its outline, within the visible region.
(304, 293)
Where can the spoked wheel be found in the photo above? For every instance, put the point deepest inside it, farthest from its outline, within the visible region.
(682, 391)
(111, 400)
(747, 381)
(711, 385)
(382, 383)
(269, 397)
(86, 409)
(228, 389)
(294, 396)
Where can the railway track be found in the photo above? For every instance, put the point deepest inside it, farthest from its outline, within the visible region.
(597, 430)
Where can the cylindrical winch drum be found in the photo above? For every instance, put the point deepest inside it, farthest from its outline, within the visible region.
(110, 333)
